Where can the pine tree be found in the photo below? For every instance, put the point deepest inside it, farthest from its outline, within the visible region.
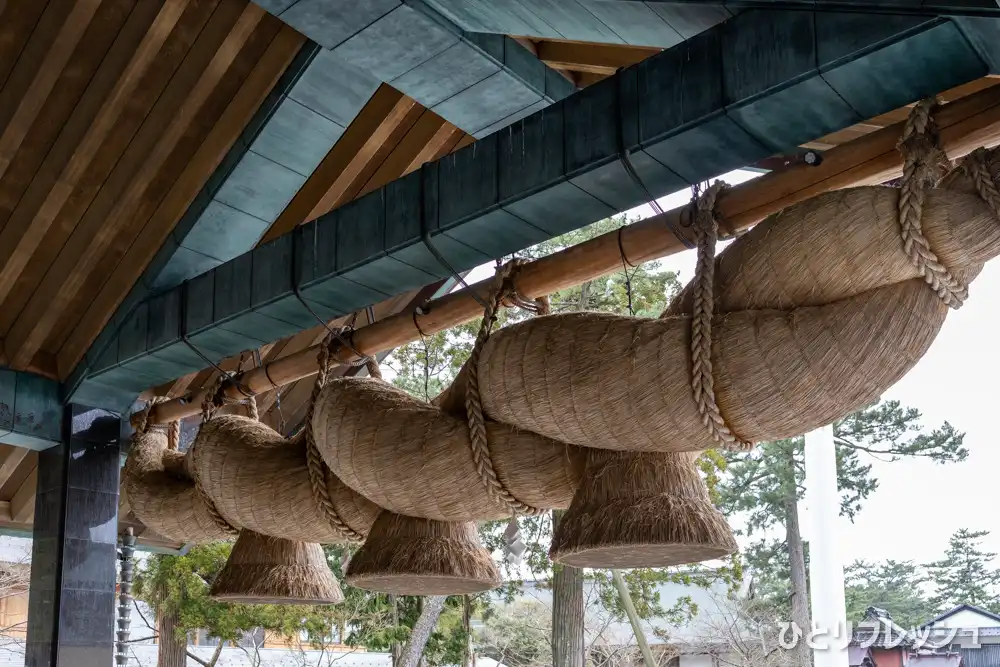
(763, 487)
(966, 574)
(896, 586)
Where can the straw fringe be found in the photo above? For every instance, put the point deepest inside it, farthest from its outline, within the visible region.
(265, 570)
(409, 556)
(640, 510)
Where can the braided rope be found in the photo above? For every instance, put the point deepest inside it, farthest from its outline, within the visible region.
(319, 473)
(977, 166)
(706, 229)
(174, 435)
(371, 363)
(922, 164)
(252, 411)
(208, 408)
(478, 440)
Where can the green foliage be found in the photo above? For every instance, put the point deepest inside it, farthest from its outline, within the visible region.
(757, 484)
(896, 586)
(966, 574)
(518, 635)
(181, 584)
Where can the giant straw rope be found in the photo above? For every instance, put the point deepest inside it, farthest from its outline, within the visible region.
(808, 316)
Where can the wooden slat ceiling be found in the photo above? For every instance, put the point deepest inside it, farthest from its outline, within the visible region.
(113, 115)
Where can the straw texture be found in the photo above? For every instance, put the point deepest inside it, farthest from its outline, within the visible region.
(623, 382)
(164, 501)
(259, 480)
(411, 458)
(408, 556)
(270, 570)
(640, 510)
(843, 243)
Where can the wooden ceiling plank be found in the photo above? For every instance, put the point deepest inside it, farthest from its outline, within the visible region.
(17, 23)
(575, 68)
(371, 156)
(185, 149)
(255, 88)
(337, 160)
(62, 283)
(124, 148)
(62, 48)
(22, 505)
(439, 145)
(406, 151)
(11, 460)
(27, 62)
(19, 241)
(585, 57)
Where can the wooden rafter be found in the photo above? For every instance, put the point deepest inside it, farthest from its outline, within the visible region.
(86, 247)
(131, 259)
(592, 58)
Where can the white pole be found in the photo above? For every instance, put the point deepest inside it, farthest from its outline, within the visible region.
(826, 568)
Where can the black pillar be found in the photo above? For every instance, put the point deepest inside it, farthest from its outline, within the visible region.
(72, 595)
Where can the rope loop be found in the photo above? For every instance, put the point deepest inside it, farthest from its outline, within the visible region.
(706, 228)
(319, 473)
(213, 401)
(923, 163)
(502, 291)
(976, 165)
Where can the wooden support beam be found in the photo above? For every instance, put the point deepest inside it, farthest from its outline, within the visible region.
(964, 125)
(22, 505)
(593, 58)
(11, 460)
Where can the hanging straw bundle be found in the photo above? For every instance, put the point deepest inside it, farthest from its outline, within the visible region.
(624, 382)
(409, 556)
(164, 500)
(638, 508)
(411, 458)
(260, 480)
(271, 570)
(812, 314)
